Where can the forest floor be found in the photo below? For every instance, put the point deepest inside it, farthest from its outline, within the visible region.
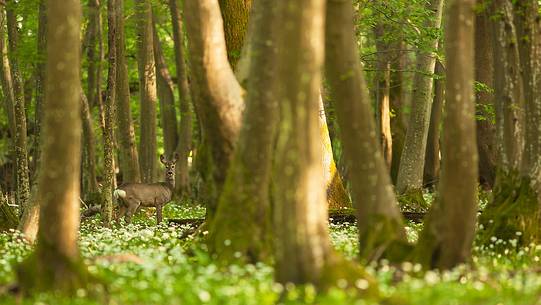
(147, 264)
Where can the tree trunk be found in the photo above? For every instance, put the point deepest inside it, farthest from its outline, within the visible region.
(21, 152)
(447, 237)
(185, 130)
(245, 197)
(302, 247)
(108, 136)
(56, 264)
(219, 101)
(235, 15)
(147, 92)
(89, 148)
(432, 159)
(30, 219)
(168, 112)
(484, 73)
(129, 157)
(379, 219)
(410, 174)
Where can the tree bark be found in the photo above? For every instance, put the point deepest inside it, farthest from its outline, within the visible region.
(185, 128)
(484, 73)
(56, 264)
(235, 15)
(147, 92)
(410, 174)
(378, 217)
(219, 101)
(245, 197)
(164, 83)
(432, 159)
(447, 237)
(89, 147)
(129, 157)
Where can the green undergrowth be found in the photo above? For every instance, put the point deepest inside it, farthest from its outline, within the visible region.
(161, 268)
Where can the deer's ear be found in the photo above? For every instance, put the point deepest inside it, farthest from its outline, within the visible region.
(175, 157)
(162, 159)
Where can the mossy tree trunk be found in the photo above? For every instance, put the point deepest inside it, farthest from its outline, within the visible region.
(410, 174)
(432, 158)
(28, 224)
(303, 250)
(449, 229)
(235, 15)
(21, 151)
(484, 73)
(168, 113)
(514, 212)
(219, 101)
(379, 219)
(245, 198)
(185, 128)
(147, 91)
(129, 157)
(56, 264)
(108, 136)
(90, 178)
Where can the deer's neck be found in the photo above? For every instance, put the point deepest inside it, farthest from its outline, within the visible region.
(170, 183)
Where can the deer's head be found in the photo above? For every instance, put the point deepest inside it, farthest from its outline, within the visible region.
(169, 168)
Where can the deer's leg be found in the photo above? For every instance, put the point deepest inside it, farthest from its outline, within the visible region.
(158, 213)
(121, 212)
(132, 208)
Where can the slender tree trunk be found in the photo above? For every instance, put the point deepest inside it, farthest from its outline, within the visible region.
(432, 159)
(410, 174)
(379, 219)
(447, 237)
(129, 157)
(56, 264)
(168, 112)
(245, 197)
(108, 136)
(484, 73)
(21, 152)
(235, 15)
(89, 148)
(147, 91)
(185, 130)
(30, 219)
(219, 101)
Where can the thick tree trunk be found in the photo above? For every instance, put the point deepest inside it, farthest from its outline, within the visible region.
(484, 73)
(379, 219)
(219, 101)
(432, 158)
(147, 92)
(55, 264)
(168, 113)
(410, 174)
(447, 237)
(302, 247)
(235, 15)
(245, 197)
(185, 130)
(129, 157)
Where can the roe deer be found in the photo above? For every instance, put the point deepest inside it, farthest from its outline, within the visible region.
(131, 196)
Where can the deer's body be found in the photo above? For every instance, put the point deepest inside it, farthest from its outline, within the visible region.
(131, 196)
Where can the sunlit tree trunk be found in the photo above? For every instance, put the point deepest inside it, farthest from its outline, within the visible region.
(185, 128)
(219, 101)
(129, 157)
(410, 174)
(447, 237)
(56, 264)
(147, 91)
